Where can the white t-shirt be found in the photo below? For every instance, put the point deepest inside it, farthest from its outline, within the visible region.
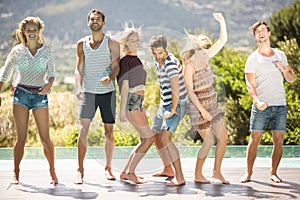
(268, 78)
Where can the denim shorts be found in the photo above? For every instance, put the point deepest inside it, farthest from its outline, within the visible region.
(29, 99)
(106, 103)
(170, 124)
(134, 102)
(275, 116)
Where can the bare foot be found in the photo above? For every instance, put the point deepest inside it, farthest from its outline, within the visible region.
(109, 175)
(275, 178)
(175, 183)
(54, 179)
(167, 172)
(202, 179)
(246, 178)
(79, 177)
(219, 176)
(132, 177)
(15, 179)
(123, 175)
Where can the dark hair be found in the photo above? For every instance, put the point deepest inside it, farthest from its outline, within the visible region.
(97, 11)
(257, 24)
(158, 41)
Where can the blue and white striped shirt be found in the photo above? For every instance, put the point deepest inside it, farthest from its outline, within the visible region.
(169, 69)
(97, 64)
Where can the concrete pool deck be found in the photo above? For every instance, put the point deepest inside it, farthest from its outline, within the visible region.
(34, 180)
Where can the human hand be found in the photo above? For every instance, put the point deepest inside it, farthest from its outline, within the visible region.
(206, 115)
(169, 114)
(122, 116)
(105, 81)
(45, 89)
(261, 105)
(79, 95)
(219, 17)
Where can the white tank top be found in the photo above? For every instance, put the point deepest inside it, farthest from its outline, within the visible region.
(97, 64)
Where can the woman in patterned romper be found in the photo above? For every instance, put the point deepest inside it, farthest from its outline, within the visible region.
(30, 66)
(204, 113)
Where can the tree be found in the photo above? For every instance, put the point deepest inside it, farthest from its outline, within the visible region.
(286, 24)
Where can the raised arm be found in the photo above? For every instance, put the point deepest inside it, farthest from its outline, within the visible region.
(287, 72)
(222, 38)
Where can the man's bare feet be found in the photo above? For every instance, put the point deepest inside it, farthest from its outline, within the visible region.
(218, 175)
(134, 178)
(202, 179)
(167, 172)
(15, 179)
(54, 179)
(109, 175)
(275, 178)
(79, 177)
(246, 178)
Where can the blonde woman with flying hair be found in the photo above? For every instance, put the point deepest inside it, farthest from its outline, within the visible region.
(131, 81)
(205, 116)
(31, 67)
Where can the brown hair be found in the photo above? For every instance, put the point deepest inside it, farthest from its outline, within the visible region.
(96, 11)
(158, 41)
(257, 24)
(20, 36)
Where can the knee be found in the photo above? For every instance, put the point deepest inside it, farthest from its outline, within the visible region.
(46, 142)
(109, 136)
(148, 141)
(165, 139)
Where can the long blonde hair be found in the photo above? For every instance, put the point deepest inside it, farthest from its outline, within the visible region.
(20, 36)
(193, 43)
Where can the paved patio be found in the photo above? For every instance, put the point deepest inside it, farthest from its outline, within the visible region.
(34, 181)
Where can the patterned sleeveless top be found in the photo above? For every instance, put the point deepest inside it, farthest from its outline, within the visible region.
(207, 96)
(97, 64)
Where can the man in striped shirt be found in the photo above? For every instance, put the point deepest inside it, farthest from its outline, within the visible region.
(173, 105)
(97, 65)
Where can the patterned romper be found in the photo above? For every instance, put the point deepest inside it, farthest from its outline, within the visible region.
(207, 96)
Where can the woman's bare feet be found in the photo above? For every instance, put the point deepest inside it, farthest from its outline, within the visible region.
(176, 183)
(202, 179)
(123, 175)
(54, 179)
(109, 175)
(275, 178)
(246, 178)
(134, 178)
(218, 175)
(15, 179)
(79, 177)
(167, 172)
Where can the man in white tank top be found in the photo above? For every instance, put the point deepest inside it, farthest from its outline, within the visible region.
(97, 65)
(265, 70)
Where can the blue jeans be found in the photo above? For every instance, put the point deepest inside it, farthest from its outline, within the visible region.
(273, 115)
(159, 123)
(28, 99)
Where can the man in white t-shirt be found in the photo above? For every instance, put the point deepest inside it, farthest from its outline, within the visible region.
(265, 70)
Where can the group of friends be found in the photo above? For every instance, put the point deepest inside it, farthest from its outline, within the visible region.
(185, 87)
